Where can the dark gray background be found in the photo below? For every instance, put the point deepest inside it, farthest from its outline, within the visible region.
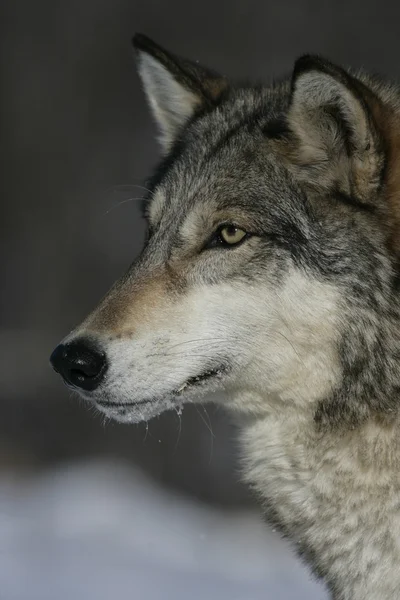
(76, 139)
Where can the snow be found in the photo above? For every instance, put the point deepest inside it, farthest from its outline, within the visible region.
(101, 530)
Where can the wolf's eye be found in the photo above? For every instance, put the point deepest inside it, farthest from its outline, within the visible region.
(231, 235)
(227, 236)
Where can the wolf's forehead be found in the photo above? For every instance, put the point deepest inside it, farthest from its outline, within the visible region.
(240, 181)
(215, 181)
(172, 202)
(192, 187)
(220, 156)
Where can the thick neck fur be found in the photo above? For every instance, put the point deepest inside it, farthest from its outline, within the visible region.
(335, 491)
(337, 497)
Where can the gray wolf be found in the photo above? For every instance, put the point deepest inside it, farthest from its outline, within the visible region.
(270, 281)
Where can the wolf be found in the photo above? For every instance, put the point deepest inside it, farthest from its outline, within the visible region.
(269, 282)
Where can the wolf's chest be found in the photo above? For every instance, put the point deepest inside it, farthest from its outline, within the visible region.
(342, 514)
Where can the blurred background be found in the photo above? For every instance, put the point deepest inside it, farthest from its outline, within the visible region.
(89, 510)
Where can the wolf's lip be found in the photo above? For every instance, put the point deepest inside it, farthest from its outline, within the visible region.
(192, 382)
(108, 404)
(199, 379)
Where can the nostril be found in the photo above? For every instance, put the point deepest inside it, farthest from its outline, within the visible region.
(81, 363)
(57, 357)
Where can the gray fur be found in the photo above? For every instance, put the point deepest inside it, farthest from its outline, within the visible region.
(299, 325)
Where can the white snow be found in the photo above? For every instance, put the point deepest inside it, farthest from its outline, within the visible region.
(102, 531)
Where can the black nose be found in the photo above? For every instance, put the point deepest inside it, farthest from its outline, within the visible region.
(80, 364)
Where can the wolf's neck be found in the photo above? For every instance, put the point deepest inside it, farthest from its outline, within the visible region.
(337, 497)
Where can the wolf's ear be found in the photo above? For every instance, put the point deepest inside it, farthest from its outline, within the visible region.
(176, 88)
(336, 141)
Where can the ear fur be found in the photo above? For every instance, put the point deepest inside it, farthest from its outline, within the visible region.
(176, 88)
(336, 140)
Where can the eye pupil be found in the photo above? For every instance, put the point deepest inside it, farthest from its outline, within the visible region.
(231, 230)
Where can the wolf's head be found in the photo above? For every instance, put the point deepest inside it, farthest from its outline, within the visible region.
(268, 251)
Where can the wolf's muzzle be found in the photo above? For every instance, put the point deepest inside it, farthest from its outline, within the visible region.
(80, 363)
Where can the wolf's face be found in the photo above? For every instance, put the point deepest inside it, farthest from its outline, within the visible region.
(263, 219)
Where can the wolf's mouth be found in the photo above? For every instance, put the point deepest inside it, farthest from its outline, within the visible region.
(190, 384)
(147, 408)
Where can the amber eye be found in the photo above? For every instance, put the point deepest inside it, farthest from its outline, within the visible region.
(227, 236)
(231, 235)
